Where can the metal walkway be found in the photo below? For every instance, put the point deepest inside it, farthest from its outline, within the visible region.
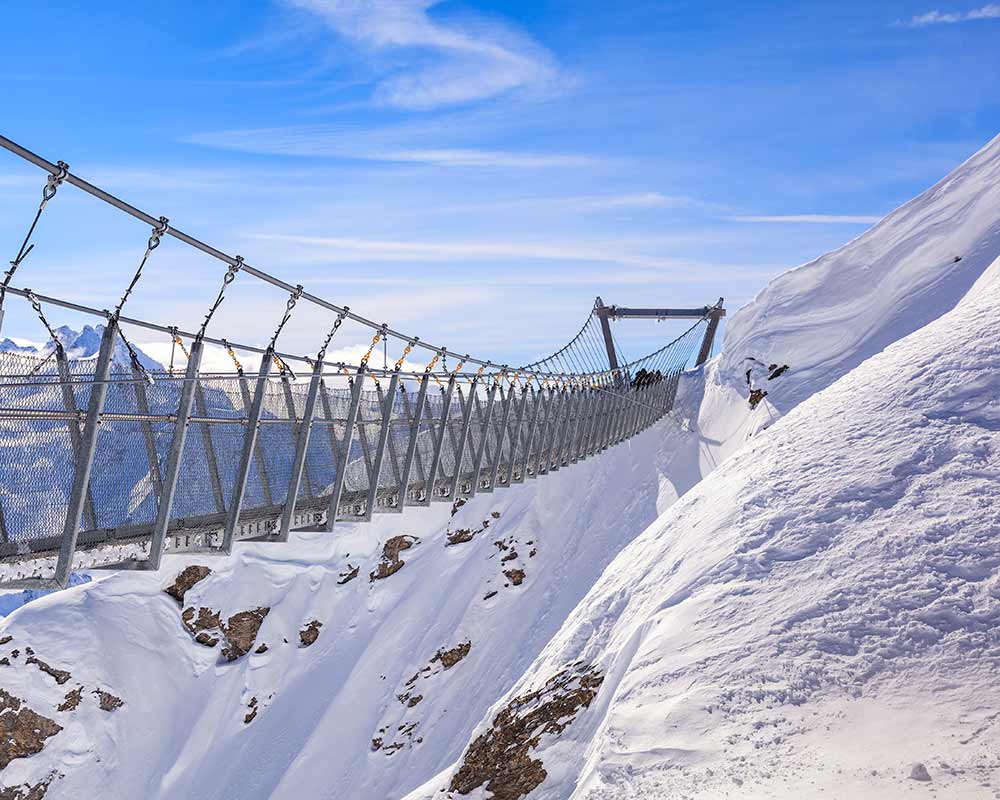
(105, 463)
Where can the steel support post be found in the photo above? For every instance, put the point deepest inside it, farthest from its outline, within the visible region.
(142, 404)
(545, 409)
(265, 483)
(412, 448)
(69, 403)
(286, 385)
(345, 449)
(507, 403)
(363, 437)
(4, 534)
(435, 465)
(477, 470)
(553, 423)
(391, 443)
(175, 457)
(609, 343)
(515, 437)
(559, 442)
(301, 449)
(484, 435)
(383, 438)
(464, 437)
(532, 399)
(330, 429)
(580, 429)
(88, 445)
(211, 462)
(246, 457)
(572, 423)
(706, 343)
(596, 404)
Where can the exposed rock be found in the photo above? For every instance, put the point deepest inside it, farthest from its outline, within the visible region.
(501, 758)
(72, 700)
(450, 658)
(252, 705)
(60, 675)
(26, 791)
(22, 731)
(488, 595)
(187, 578)
(776, 371)
(199, 627)
(515, 576)
(756, 395)
(918, 772)
(261, 649)
(108, 701)
(509, 557)
(376, 744)
(391, 563)
(414, 700)
(241, 631)
(310, 633)
(457, 505)
(349, 575)
(495, 514)
(461, 536)
(6, 640)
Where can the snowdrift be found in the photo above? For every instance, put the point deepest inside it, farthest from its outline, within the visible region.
(819, 617)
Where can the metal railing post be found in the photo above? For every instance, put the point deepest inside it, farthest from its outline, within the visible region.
(69, 403)
(142, 404)
(552, 424)
(411, 447)
(535, 399)
(345, 449)
(301, 449)
(391, 443)
(246, 457)
(436, 457)
(507, 403)
(515, 435)
(286, 385)
(88, 444)
(464, 437)
(248, 401)
(175, 458)
(477, 470)
(383, 438)
(211, 461)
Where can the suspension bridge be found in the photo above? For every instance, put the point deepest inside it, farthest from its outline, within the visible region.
(106, 463)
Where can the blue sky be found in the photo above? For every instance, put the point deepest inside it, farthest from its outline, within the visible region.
(477, 172)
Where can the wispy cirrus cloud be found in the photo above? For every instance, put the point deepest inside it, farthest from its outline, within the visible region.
(402, 144)
(438, 62)
(989, 11)
(834, 219)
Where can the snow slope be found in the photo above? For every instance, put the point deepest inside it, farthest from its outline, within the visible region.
(316, 710)
(181, 732)
(822, 612)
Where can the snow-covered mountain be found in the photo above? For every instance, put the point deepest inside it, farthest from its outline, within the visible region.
(821, 606)
(79, 345)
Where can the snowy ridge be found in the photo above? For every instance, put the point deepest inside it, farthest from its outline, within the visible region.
(822, 612)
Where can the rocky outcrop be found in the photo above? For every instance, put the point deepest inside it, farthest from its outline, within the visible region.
(108, 701)
(310, 633)
(22, 731)
(391, 562)
(501, 757)
(185, 579)
(450, 658)
(241, 632)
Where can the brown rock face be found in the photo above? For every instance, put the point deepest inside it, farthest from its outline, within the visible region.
(501, 757)
(391, 563)
(72, 700)
(60, 675)
(22, 731)
(515, 576)
(241, 631)
(108, 701)
(199, 627)
(450, 658)
(348, 575)
(310, 633)
(26, 791)
(187, 578)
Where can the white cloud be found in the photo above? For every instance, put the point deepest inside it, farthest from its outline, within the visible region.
(380, 145)
(837, 219)
(989, 11)
(455, 61)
